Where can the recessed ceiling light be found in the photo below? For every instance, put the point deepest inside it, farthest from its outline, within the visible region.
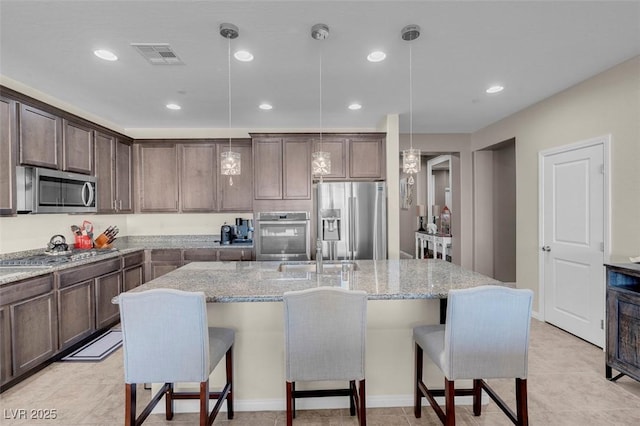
(265, 106)
(355, 106)
(376, 56)
(243, 55)
(495, 89)
(174, 107)
(107, 55)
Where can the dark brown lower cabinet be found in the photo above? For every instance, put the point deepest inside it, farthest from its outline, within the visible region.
(34, 332)
(235, 254)
(107, 287)
(28, 323)
(84, 299)
(623, 320)
(76, 318)
(43, 316)
(132, 270)
(5, 349)
(200, 255)
(163, 261)
(132, 277)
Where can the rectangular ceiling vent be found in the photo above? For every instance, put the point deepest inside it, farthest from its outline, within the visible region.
(158, 53)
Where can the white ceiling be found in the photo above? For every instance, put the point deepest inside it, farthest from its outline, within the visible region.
(534, 49)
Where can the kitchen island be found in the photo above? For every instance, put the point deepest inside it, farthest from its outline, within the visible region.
(402, 294)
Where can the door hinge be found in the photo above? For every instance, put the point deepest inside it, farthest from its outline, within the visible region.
(601, 168)
(601, 324)
(602, 247)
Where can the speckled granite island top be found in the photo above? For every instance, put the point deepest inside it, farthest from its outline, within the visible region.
(261, 281)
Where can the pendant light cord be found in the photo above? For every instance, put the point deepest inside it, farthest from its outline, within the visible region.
(410, 100)
(229, 84)
(320, 98)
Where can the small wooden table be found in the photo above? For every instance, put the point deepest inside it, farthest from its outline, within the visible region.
(440, 244)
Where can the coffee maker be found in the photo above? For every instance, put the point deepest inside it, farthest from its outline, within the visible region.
(244, 231)
(227, 234)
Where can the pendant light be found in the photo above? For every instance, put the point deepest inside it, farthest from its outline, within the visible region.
(230, 161)
(410, 157)
(320, 160)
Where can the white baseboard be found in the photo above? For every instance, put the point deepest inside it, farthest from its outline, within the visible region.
(405, 255)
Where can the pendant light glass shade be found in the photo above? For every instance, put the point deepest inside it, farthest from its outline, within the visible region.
(230, 162)
(411, 161)
(321, 163)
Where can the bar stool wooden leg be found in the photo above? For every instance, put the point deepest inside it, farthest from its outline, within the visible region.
(353, 397)
(362, 406)
(229, 360)
(417, 406)
(449, 400)
(289, 397)
(204, 403)
(521, 402)
(168, 399)
(477, 397)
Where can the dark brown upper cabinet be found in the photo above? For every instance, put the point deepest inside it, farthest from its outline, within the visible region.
(40, 135)
(7, 156)
(113, 166)
(198, 173)
(184, 176)
(282, 168)
(158, 188)
(77, 143)
(366, 158)
(236, 197)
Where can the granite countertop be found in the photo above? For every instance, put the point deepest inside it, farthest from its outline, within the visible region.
(12, 274)
(261, 281)
(122, 246)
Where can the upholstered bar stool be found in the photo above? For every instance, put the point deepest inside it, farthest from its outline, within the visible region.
(324, 331)
(166, 339)
(486, 336)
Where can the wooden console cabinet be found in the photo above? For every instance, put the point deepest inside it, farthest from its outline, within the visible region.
(623, 320)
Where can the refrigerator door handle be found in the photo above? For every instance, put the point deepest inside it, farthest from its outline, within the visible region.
(354, 212)
(350, 229)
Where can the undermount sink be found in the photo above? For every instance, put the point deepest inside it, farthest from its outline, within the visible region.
(327, 268)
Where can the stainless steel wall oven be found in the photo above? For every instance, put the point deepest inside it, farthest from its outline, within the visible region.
(282, 236)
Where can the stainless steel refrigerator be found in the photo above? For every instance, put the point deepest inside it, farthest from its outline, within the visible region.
(352, 220)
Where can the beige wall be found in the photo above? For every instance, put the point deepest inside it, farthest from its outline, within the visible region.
(608, 103)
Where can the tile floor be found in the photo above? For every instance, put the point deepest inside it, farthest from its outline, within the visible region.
(566, 387)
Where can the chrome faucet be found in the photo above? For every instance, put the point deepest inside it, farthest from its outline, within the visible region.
(319, 268)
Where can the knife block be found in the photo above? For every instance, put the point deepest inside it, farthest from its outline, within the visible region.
(101, 241)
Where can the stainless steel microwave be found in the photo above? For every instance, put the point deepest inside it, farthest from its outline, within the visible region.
(41, 190)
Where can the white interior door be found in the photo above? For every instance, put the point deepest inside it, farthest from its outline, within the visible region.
(573, 241)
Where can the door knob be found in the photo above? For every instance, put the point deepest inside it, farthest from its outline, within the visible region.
(546, 248)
